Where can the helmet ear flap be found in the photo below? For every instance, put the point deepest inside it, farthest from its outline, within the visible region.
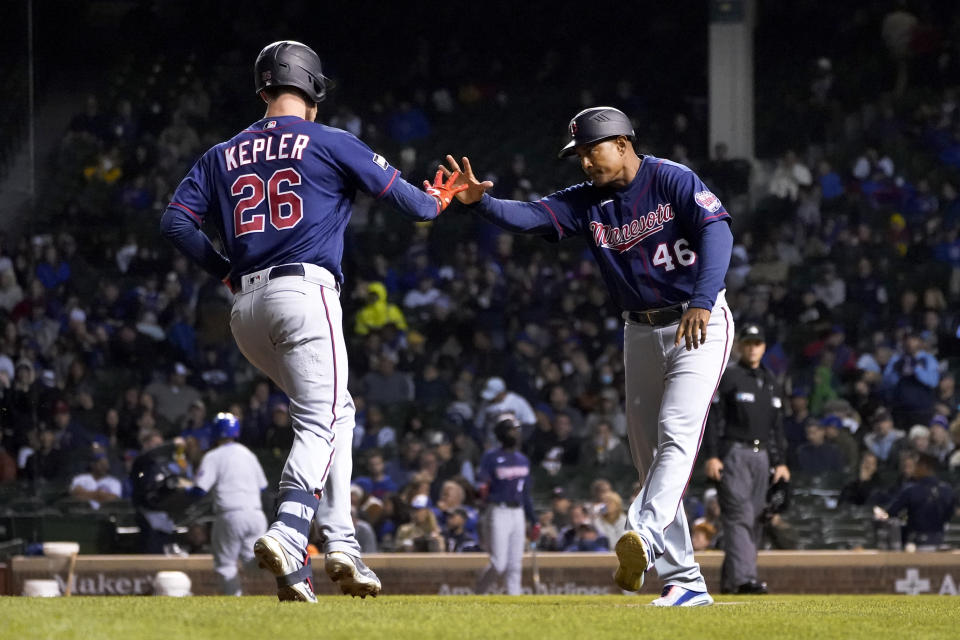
(291, 64)
(319, 89)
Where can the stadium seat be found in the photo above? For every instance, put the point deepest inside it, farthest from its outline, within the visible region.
(27, 504)
(74, 506)
(10, 548)
(120, 507)
(92, 533)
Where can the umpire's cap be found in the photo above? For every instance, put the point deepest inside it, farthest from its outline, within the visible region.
(288, 63)
(227, 426)
(752, 332)
(596, 124)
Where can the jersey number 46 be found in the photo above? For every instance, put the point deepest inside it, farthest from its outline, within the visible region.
(286, 207)
(681, 249)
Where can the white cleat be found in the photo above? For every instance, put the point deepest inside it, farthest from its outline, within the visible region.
(677, 596)
(354, 577)
(294, 581)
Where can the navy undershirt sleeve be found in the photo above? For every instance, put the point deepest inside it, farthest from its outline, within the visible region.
(716, 244)
(183, 232)
(411, 201)
(516, 216)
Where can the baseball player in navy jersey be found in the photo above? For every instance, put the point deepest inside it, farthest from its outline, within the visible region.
(505, 473)
(234, 476)
(279, 195)
(662, 241)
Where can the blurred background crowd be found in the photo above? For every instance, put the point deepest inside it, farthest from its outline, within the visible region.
(847, 232)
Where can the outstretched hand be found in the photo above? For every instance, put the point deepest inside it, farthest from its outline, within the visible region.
(473, 188)
(443, 191)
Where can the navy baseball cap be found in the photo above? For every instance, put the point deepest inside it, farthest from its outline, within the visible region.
(832, 421)
(596, 124)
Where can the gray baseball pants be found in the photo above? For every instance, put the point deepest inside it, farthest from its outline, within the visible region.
(669, 390)
(742, 495)
(505, 529)
(291, 328)
(232, 538)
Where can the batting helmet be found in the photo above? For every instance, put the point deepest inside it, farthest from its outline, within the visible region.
(596, 124)
(287, 63)
(226, 426)
(506, 423)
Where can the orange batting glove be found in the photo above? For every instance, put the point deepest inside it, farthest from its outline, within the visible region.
(444, 191)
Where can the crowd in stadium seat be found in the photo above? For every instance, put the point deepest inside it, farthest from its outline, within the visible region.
(849, 258)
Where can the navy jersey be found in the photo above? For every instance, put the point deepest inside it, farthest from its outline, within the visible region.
(281, 192)
(648, 237)
(929, 503)
(507, 476)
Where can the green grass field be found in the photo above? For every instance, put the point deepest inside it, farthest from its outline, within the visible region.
(548, 617)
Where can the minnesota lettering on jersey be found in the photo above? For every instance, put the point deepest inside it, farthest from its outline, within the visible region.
(251, 151)
(625, 237)
(512, 473)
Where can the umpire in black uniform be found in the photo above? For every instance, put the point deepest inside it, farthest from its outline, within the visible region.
(744, 440)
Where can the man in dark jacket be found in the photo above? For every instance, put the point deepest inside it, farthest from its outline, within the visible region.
(929, 503)
(744, 440)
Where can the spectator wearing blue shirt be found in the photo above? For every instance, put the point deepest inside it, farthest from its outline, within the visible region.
(884, 441)
(452, 497)
(400, 469)
(407, 124)
(831, 184)
(53, 271)
(375, 433)
(587, 539)
(912, 377)
(377, 483)
(817, 455)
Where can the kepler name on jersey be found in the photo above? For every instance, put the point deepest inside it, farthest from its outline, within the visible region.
(250, 151)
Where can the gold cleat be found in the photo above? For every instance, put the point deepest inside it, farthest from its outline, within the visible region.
(632, 555)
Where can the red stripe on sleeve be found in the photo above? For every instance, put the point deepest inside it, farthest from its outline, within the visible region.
(392, 178)
(187, 209)
(555, 221)
(719, 215)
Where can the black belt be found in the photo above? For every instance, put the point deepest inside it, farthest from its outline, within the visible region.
(295, 269)
(756, 445)
(511, 505)
(659, 317)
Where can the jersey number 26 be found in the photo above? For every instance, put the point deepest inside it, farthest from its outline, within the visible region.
(286, 207)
